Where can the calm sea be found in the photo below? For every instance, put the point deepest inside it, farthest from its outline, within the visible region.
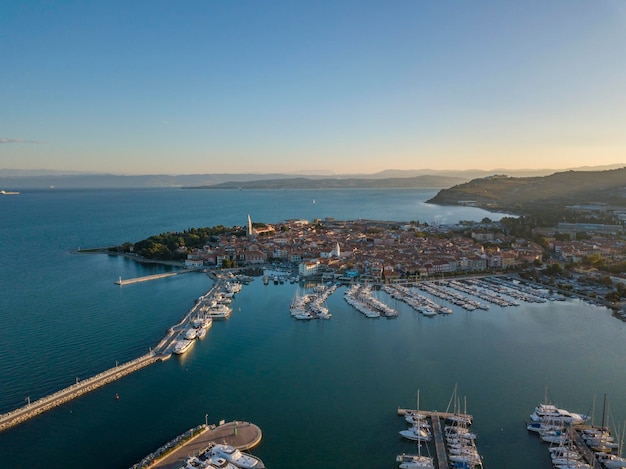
(324, 393)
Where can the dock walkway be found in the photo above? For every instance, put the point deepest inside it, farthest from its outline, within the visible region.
(440, 447)
(588, 455)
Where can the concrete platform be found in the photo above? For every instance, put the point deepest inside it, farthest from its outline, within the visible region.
(241, 435)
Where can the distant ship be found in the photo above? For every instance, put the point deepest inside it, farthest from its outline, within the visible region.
(3, 192)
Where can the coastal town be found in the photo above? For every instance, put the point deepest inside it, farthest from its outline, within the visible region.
(576, 258)
(429, 267)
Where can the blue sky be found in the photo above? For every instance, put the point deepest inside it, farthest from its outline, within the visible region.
(146, 87)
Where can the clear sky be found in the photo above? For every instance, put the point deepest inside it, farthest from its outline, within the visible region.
(348, 86)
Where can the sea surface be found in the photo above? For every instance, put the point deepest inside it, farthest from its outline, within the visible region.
(325, 393)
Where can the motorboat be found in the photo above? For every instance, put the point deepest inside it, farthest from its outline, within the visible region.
(417, 433)
(549, 412)
(236, 457)
(182, 346)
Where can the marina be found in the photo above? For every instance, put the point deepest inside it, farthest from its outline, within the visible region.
(573, 442)
(214, 306)
(261, 360)
(454, 445)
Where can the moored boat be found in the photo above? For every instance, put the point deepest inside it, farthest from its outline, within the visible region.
(415, 461)
(236, 457)
(182, 346)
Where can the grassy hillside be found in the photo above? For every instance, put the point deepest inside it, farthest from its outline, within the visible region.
(528, 195)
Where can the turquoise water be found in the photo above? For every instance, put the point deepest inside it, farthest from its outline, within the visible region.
(325, 393)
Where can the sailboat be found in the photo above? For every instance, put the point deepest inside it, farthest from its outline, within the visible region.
(422, 428)
(415, 461)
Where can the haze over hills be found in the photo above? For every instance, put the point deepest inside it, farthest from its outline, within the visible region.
(41, 178)
(532, 194)
(417, 182)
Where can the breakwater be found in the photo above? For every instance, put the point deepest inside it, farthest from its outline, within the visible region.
(161, 352)
(77, 389)
(169, 447)
(147, 278)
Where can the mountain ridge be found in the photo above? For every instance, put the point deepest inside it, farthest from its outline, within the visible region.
(42, 178)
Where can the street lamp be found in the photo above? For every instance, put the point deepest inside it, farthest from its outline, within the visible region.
(206, 420)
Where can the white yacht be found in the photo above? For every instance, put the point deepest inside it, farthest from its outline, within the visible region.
(417, 433)
(191, 333)
(549, 412)
(182, 346)
(202, 326)
(220, 312)
(236, 457)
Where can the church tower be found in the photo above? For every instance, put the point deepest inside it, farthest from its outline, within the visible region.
(249, 230)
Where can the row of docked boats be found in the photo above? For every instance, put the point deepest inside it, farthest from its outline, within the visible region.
(217, 304)
(493, 290)
(312, 305)
(213, 305)
(219, 456)
(419, 431)
(361, 297)
(197, 330)
(449, 294)
(573, 444)
(418, 302)
(457, 443)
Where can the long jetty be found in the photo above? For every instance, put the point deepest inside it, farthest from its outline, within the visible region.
(147, 278)
(77, 389)
(161, 352)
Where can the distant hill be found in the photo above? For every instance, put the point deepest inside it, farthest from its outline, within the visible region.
(417, 182)
(114, 181)
(42, 178)
(528, 195)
